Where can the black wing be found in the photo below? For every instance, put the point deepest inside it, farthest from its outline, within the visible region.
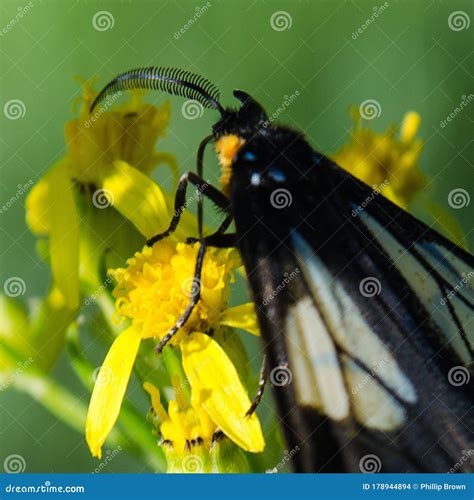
(367, 311)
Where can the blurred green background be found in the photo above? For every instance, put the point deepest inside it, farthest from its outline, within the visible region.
(408, 58)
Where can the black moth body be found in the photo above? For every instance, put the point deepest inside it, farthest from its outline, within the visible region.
(369, 350)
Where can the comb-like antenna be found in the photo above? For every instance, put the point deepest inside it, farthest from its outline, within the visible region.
(171, 80)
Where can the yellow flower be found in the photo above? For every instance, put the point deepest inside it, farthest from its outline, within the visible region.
(388, 161)
(153, 291)
(189, 438)
(109, 155)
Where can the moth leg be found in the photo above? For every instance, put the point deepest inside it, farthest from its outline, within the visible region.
(196, 295)
(204, 188)
(261, 386)
(215, 237)
(200, 170)
(218, 240)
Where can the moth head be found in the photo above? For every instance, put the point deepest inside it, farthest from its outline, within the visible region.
(235, 127)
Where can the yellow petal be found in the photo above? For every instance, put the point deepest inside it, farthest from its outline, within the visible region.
(410, 125)
(109, 389)
(154, 393)
(63, 233)
(137, 197)
(37, 208)
(243, 317)
(217, 386)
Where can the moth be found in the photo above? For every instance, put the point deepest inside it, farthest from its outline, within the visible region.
(369, 345)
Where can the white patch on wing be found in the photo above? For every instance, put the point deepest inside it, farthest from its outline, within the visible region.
(336, 317)
(310, 346)
(426, 288)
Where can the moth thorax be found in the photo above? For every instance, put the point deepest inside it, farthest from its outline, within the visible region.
(226, 149)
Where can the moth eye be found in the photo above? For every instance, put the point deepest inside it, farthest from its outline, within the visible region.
(249, 156)
(276, 175)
